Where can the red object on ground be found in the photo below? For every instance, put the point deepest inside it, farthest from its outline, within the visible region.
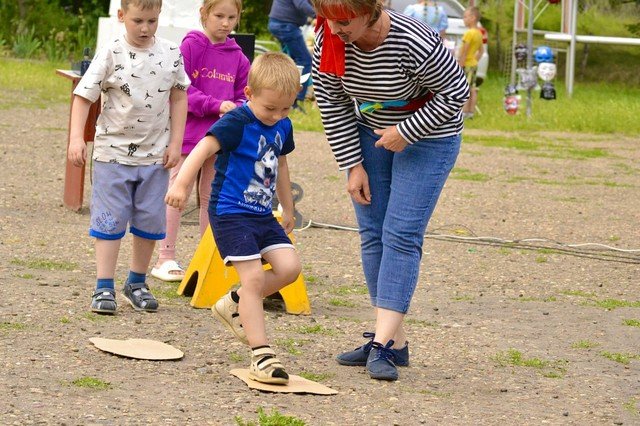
(74, 176)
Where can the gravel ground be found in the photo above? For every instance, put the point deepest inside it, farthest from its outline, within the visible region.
(516, 329)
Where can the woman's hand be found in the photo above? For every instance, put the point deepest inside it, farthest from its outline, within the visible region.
(358, 185)
(390, 139)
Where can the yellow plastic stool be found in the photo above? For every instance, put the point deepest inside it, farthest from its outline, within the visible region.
(207, 279)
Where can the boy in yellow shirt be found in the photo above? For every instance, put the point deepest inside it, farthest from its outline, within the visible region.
(471, 50)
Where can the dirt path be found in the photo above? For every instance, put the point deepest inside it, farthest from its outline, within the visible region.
(499, 334)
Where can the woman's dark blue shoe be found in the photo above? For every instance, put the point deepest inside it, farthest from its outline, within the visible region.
(359, 356)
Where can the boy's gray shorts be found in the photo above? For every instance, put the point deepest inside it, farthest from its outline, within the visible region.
(128, 194)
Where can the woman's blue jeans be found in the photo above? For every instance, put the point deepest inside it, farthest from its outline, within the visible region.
(293, 44)
(405, 187)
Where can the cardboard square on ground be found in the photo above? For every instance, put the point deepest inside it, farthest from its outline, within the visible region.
(138, 348)
(296, 384)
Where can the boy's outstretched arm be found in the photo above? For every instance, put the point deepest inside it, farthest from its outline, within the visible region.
(178, 105)
(77, 151)
(285, 198)
(177, 194)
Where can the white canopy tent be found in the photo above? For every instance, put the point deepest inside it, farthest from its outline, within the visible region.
(176, 19)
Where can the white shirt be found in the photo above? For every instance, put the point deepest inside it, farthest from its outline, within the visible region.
(133, 126)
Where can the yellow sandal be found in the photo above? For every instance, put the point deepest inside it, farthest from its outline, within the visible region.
(267, 368)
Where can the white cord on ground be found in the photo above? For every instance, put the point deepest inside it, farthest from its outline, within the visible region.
(486, 239)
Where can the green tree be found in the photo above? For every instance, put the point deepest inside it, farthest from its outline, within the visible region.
(255, 17)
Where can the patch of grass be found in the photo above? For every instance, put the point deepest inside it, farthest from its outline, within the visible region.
(167, 291)
(631, 322)
(91, 383)
(421, 323)
(352, 319)
(346, 290)
(631, 406)
(316, 329)
(619, 357)
(333, 178)
(93, 317)
(341, 303)
(38, 85)
(536, 299)
(65, 320)
(598, 108)
(308, 121)
(25, 276)
(272, 419)
(578, 293)
(570, 181)
(45, 264)
(612, 304)
(466, 174)
(549, 369)
(541, 259)
(316, 377)
(310, 279)
(462, 298)
(584, 344)
(236, 357)
(12, 326)
(626, 169)
(290, 345)
(539, 146)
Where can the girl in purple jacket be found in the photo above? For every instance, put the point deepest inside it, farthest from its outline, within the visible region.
(218, 71)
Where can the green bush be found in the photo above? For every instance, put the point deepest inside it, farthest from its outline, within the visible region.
(25, 43)
(55, 29)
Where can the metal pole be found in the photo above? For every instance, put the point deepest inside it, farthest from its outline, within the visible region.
(516, 13)
(572, 47)
(530, 56)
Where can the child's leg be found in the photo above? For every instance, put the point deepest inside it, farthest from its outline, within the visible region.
(265, 366)
(135, 289)
(252, 282)
(207, 173)
(148, 224)
(103, 300)
(167, 247)
(285, 268)
(141, 255)
(106, 257)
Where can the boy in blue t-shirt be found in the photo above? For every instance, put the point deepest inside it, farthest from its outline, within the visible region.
(252, 142)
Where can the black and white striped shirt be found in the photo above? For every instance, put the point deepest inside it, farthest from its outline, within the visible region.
(409, 63)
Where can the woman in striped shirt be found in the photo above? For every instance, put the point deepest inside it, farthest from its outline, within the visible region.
(390, 96)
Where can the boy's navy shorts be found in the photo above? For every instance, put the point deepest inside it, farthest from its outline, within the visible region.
(128, 194)
(246, 237)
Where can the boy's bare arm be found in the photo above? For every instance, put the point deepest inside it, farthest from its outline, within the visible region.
(77, 151)
(178, 105)
(285, 198)
(177, 194)
(462, 56)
